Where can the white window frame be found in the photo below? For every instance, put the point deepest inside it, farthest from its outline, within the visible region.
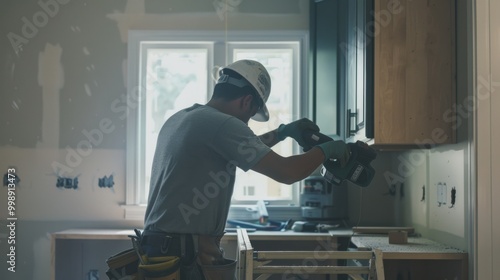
(133, 208)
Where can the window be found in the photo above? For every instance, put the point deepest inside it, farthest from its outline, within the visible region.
(169, 71)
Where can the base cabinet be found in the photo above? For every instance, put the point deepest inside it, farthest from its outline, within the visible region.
(82, 253)
(420, 258)
(424, 269)
(84, 259)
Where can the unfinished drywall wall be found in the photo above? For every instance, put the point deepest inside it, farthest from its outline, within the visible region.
(91, 40)
(447, 192)
(63, 63)
(374, 205)
(64, 66)
(412, 169)
(436, 198)
(57, 62)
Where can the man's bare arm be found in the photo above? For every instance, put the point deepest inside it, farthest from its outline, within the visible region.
(291, 169)
(270, 138)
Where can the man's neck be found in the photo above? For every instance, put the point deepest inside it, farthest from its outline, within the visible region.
(226, 107)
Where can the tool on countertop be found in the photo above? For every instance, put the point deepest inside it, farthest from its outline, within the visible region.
(322, 200)
(307, 226)
(270, 226)
(357, 170)
(263, 215)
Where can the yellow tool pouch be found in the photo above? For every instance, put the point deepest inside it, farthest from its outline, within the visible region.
(160, 268)
(123, 265)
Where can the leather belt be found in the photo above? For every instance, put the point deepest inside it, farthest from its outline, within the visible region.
(171, 244)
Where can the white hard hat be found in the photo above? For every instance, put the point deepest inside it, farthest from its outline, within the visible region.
(256, 75)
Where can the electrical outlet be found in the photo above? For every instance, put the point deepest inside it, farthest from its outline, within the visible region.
(442, 193)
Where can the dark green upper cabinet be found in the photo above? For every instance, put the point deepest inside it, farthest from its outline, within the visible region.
(341, 63)
(357, 49)
(327, 101)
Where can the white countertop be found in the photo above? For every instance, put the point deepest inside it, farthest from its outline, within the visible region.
(416, 248)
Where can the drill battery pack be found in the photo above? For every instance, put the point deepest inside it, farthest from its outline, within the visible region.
(357, 170)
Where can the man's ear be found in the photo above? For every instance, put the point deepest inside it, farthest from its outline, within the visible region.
(247, 100)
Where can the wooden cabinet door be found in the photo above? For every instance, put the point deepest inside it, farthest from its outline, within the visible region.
(414, 68)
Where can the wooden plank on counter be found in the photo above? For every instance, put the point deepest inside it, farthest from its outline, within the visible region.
(382, 230)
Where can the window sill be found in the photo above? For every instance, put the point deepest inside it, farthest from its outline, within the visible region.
(278, 212)
(134, 211)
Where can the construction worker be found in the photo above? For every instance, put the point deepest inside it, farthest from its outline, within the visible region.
(194, 167)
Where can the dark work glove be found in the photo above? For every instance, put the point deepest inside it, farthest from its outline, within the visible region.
(295, 130)
(338, 150)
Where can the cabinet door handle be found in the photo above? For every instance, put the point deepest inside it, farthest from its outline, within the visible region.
(351, 132)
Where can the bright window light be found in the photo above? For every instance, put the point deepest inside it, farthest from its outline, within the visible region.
(173, 71)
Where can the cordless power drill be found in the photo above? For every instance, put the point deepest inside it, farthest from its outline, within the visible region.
(357, 170)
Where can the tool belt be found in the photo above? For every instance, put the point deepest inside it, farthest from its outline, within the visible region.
(164, 256)
(160, 268)
(170, 244)
(122, 265)
(135, 264)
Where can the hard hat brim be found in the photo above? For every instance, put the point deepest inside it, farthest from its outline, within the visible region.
(262, 115)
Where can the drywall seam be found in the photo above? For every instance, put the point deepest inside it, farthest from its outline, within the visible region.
(51, 79)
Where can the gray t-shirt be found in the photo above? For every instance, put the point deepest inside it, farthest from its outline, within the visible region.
(194, 167)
